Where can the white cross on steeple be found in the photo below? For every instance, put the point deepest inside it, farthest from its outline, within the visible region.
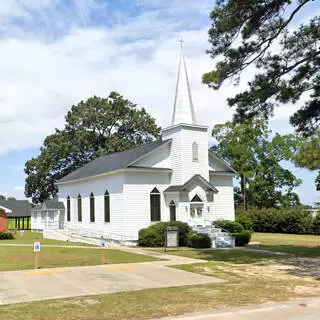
(183, 111)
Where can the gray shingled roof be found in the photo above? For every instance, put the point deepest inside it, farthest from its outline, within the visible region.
(111, 162)
(53, 204)
(19, 208)
(184, 187)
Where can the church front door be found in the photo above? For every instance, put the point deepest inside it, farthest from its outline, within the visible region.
(196, 214)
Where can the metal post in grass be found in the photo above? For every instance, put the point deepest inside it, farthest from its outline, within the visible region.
(36, 250)
(102, 247)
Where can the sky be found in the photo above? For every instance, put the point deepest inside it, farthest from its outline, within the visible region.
(55, 53)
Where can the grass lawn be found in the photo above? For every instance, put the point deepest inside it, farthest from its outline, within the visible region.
(29, 237)
(21, 258)
(247, 284)
(298, 245)
(234, 256)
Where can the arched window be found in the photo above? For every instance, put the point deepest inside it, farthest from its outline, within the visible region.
(91, 207)
(172, 207)
(195, 156)
(68, 209)
(79, 208)
(155, 209)
(106, 206)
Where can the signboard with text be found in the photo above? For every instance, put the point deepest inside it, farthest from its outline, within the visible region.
(172, 237)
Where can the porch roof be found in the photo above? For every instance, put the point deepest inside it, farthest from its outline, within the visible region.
(196, 178)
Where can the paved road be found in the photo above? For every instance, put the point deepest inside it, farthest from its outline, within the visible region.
(32, 285)
(302, 309)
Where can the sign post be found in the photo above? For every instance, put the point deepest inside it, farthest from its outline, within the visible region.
(36, 250)
(171, 237)
(102, 247)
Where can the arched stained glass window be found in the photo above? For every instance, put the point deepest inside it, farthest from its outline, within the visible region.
(155, 207)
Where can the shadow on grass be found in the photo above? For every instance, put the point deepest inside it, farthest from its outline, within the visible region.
(299, 251)
(234, 256)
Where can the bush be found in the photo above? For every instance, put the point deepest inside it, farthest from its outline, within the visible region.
(153, 236)
(316, 225)
(230, 226)
(242, 238)
(279, 220)
(198, 240)
(245, 221)
(6, 236)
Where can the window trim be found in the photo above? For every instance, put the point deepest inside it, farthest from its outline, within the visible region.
(195, 152)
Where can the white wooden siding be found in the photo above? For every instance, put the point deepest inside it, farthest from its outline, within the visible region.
(224, 203)
(114, 185)
(159, 158)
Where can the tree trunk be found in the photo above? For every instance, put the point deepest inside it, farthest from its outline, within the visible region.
(243, 191)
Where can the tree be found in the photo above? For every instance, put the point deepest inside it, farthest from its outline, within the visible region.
(262, 33)
(94, 127)
(2, 197)
(12, 198)
(248, 148)
(308, 155)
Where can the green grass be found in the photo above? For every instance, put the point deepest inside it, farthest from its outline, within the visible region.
(22, 258)
(29, 237)
(234, 256)
(286, 239)
(298, 245)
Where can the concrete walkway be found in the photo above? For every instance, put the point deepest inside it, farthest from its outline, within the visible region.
(33, 285)
(302, 309)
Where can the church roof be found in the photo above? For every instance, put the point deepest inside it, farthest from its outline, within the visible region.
(196, 177)
(112, 162)
(183, 111)
(18, 208)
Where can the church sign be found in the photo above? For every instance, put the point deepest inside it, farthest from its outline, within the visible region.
(171, 237)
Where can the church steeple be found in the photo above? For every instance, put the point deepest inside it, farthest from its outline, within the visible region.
(183, 111)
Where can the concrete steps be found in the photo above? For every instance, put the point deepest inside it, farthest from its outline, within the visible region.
(219, 238)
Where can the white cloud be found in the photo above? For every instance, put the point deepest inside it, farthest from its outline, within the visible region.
(40, 79)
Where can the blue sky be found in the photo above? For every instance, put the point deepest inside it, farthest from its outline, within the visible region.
(55, 53)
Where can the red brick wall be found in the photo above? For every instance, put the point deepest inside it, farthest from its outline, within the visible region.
(3, 220)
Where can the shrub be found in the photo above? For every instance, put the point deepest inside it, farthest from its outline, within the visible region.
(231, 226)
(150, 238)
(6, 236)
(316, 225)
(245, 221)
(153, 236)
(279, 220)
(198, 240)
(242, 238)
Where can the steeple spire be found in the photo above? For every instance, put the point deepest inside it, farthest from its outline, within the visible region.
(183, 111)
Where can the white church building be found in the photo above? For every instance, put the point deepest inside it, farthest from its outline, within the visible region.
(174, 178)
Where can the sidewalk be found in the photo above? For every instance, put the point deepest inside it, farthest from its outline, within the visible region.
(42, 284)
(302, 309)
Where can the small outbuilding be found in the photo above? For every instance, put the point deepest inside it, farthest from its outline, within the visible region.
(48, 215)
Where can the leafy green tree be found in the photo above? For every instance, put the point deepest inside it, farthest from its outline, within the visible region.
(2, 197)
(308, 154)
(11, 198)
(263, 34)
(256, 156)
(94, 127)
